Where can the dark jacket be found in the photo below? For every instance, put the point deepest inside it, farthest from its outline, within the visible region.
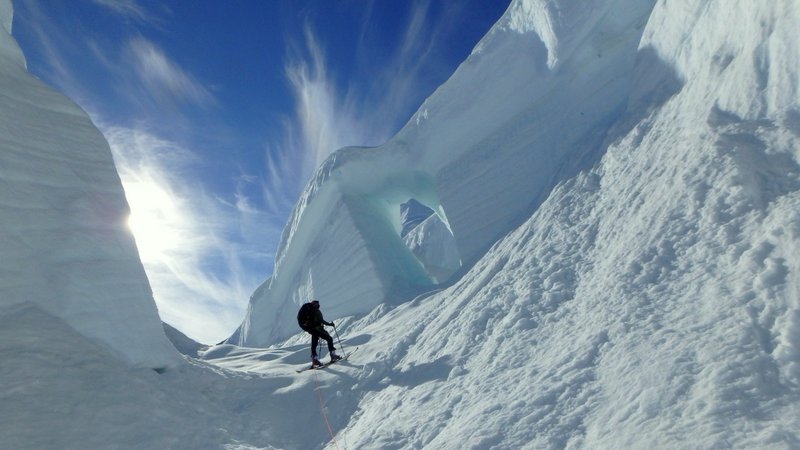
(315, 319)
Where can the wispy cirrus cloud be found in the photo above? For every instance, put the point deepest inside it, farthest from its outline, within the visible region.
(50, 38)
(143, 73)
(322, 122)
(365, 113)
(323, 116)
(130, 10)
(163, 78)
(197, 249)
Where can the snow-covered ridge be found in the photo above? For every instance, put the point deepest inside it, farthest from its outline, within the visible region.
(65, 245)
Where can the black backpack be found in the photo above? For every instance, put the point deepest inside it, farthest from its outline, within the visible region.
(304, 316)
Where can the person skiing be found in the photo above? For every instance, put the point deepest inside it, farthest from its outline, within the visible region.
(310, 319)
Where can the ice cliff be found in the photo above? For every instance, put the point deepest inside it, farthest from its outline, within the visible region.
(651, 300)
(65, 245)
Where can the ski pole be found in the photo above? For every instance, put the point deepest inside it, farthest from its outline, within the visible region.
(340, 341)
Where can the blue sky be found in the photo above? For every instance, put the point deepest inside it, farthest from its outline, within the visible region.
(218, 112)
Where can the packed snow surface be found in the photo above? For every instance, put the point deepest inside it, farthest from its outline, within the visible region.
(621, 181)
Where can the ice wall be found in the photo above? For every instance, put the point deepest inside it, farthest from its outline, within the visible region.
(483, 152)
(652, 300)
(65, 245)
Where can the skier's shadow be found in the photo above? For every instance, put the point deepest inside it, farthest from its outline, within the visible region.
(355, 341)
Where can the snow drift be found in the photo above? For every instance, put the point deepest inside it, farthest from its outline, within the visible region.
(66, 247)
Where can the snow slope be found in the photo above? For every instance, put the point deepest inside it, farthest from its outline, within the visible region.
(184, 344)
(65, 244)
(434, 246)
(64, 391)
(651, 301)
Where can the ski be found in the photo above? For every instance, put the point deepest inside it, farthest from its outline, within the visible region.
(344, 358)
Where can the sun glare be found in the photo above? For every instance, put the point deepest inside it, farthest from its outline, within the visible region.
(155, 220)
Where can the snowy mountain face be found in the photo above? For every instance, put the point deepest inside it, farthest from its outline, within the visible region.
(412, 213)
(434, 246)
(65, 246)
(429, 240)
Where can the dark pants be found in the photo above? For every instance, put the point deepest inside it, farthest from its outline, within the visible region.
(317, 333)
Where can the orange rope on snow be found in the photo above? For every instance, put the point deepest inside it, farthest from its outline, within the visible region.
(322, 410)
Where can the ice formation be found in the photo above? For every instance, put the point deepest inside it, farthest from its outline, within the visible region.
(66, 247)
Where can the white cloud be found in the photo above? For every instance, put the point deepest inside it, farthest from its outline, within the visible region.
(324, 124)
(324, 120)
(163, 78)
(129, 9)
(196, 249)
(140, 71)
(367, 113)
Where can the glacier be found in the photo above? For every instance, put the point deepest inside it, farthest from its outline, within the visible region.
(483, 162)
(621, 182)
(612, 260)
